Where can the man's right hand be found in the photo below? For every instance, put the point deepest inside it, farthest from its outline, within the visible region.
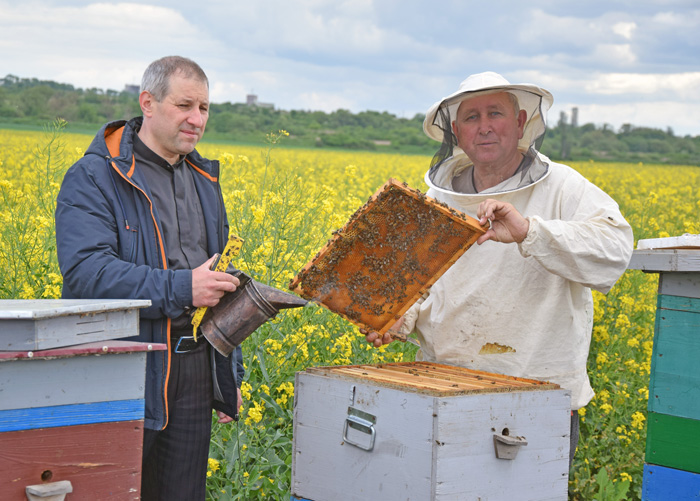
(374, 338)
(208, 286)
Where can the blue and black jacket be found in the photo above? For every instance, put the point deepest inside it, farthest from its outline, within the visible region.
(110, 245)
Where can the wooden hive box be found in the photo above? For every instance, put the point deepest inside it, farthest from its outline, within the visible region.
(427, 432)
(673, 422)
(74, 415)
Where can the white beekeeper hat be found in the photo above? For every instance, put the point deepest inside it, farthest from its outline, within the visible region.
(535, 100)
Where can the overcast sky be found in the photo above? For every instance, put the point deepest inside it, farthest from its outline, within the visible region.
(618, 61)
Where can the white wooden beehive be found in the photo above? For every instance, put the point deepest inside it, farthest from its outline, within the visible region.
(422, 431)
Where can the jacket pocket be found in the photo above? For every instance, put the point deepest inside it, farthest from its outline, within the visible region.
(130, 247)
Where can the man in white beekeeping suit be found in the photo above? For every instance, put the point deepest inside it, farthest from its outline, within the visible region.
(520, 302)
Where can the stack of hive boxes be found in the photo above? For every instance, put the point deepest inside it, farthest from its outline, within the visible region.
(72, 399)
(672, 469)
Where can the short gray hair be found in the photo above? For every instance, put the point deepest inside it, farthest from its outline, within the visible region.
(156, 78)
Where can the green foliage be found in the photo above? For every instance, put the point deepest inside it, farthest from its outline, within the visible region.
(608, 490)
(27, 232)
(32, 102)
(629, 144)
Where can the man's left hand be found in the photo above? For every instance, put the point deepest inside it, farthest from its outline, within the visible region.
(507, 224)
(225, 418)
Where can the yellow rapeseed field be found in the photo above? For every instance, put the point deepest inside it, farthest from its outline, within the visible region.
(285, 203)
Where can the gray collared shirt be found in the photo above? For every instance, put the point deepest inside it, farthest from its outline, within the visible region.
(177, 204)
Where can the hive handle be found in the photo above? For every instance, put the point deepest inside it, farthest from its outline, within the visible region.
(363, 422)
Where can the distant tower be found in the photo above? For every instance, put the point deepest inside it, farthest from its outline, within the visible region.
(252, 100)
(562, 118)
(574, 117)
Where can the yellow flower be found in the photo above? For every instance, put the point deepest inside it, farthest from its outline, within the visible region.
(601, 358)
(246, 390)
(622, 321)
(255, 413)
(638, 420)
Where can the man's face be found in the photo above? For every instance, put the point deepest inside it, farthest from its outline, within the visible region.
(488, 130)
(175, 125)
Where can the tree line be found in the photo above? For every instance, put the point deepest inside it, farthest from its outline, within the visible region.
(29, 102)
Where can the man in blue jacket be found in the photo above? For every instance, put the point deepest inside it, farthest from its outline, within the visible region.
(140, 216)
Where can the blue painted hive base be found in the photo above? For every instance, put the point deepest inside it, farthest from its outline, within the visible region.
(662, 484)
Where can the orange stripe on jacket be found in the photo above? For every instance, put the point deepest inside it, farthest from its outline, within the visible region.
(205, 174)
(113, 141)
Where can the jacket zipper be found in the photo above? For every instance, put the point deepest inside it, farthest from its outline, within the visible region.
(165, 267)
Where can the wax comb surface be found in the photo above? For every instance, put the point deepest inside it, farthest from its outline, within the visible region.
(386, 256)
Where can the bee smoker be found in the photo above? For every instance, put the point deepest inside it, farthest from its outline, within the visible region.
(240, 312)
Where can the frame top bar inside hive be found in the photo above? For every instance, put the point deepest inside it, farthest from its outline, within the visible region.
(434, 379)
(386, 256)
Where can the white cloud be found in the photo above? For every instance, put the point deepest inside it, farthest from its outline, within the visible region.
(98, 45)
(322, 101)
(612, 55)
(680, 85)
(624, 29)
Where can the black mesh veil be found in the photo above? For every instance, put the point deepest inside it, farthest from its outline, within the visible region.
(449, 140)
(533, 132)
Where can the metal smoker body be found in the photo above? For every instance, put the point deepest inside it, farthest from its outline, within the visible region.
(241, 312)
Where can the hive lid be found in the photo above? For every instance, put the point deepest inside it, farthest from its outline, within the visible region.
(386, 256)
(685, 241)
(31, 309)
(434, 379)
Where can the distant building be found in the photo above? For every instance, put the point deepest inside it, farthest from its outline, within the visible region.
(574, 117)
(132, 89)
(252, 100)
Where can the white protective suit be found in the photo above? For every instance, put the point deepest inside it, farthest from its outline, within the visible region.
(526, 309)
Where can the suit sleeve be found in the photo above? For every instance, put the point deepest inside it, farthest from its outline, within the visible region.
(591, 244)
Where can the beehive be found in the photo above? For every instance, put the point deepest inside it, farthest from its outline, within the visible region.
(386, 256)
(71, 417)
(427, 432)
(673, 421)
